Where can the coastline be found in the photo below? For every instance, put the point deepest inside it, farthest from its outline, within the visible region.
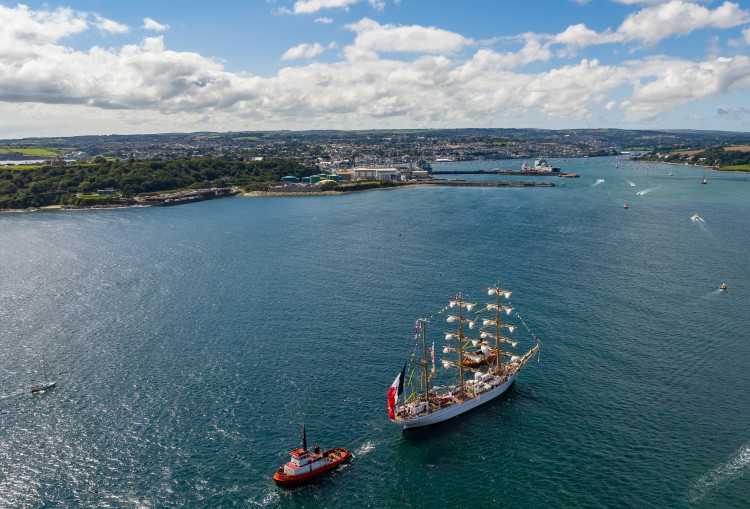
(257, 194)
(706, 168)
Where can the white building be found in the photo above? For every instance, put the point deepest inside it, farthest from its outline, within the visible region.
(375, 173)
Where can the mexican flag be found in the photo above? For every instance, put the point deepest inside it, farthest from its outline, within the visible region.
(395, 391)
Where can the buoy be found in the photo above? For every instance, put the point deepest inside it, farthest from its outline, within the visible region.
(625, 206)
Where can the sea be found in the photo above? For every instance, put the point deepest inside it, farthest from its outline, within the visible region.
(191, 343)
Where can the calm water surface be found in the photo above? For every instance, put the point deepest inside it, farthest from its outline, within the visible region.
(190, 342)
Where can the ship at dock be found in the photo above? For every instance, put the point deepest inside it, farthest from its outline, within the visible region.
(485, 370)
(541, 166)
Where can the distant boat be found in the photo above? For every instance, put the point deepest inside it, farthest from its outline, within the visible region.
(304, 466)
(704, 180)
(625, 206)
(671, 174)
(723, 287)
(49, 382)
(696, 217)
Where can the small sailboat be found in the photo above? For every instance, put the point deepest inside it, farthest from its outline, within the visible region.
(703, 181)
(305, 465)
(502, 368)
(49, 382)
(696, 217)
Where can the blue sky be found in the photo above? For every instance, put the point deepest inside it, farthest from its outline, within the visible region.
(100, 67)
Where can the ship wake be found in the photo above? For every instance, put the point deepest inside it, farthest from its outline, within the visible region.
(734, 468)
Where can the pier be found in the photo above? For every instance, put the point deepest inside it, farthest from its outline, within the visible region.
(506, 183)
(521, 173)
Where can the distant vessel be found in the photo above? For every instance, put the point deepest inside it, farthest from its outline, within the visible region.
(47, 384)
(430, 407)
(723, 287)
(540, 165)
(304, 465)
(696, 217)
(625, 206)
(671, 174)
(704, 180)
(423, 165)
(598, 181)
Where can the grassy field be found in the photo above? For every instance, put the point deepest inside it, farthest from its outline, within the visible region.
(253, 138)
(23, 166)
(741, 167)
(37, 152)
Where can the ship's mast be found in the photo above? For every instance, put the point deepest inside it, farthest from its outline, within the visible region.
(460, 346)
(498, 324)
(498, 350)
(426, 370)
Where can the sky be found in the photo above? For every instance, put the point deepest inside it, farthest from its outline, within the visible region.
(78, 67)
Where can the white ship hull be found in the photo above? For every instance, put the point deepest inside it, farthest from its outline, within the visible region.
(453, 410)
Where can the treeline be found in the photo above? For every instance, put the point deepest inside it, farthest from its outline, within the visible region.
(716, 156)
(60, 185)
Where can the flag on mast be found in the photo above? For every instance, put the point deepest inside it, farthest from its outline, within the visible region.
(432, 354)
(395, 391)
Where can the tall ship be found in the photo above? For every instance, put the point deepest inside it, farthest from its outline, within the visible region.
(485, 369)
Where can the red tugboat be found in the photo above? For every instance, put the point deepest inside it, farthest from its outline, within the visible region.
(303, 465)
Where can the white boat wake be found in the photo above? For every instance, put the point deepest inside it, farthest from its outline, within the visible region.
(632, 184)
(366, 447)
(598, 182)
(645, 191)
(735, 467)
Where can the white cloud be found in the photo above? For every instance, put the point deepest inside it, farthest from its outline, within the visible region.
(324, 20)
(678, 82)
(733, 111)
(150, 24)
(678, 17)
(20, 25)
(310, 6)
(147, 87)
(372, 36)
(109, 26)
(303, 51)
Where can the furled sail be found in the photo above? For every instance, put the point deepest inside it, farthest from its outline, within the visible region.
(500, 308)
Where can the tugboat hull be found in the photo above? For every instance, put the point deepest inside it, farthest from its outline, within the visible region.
(336, 456)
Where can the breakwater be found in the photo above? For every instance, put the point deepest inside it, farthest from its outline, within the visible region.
(507, 183)
(527, 173)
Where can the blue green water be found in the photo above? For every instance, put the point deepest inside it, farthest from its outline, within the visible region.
(191, 342)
